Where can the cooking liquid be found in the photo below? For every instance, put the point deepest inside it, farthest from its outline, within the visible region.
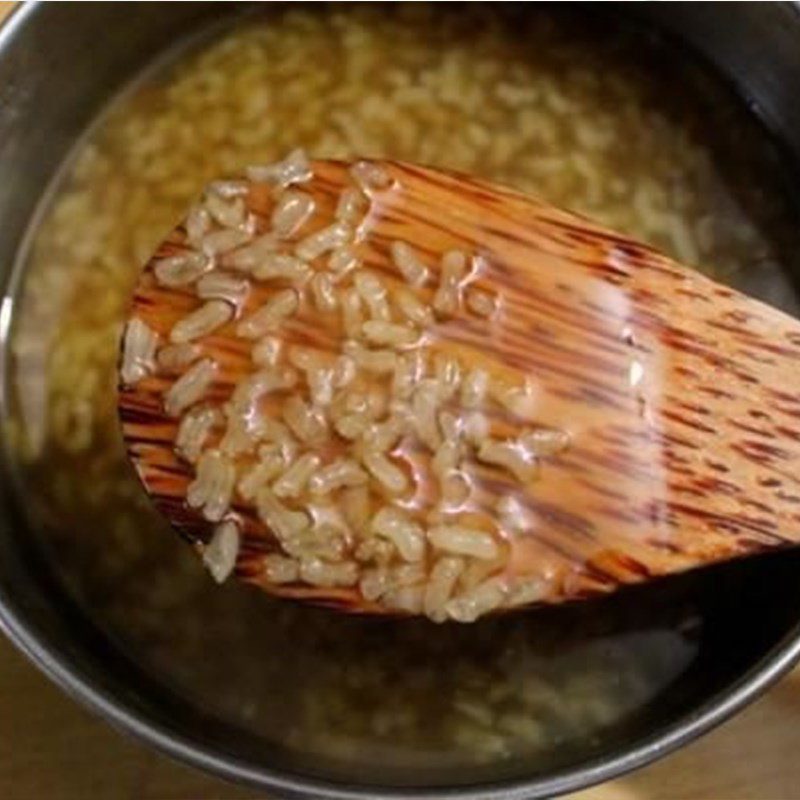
(618, 128)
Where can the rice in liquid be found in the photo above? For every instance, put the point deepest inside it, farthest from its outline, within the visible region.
(536, 105)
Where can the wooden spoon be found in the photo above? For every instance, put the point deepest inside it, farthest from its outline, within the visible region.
(678, 395)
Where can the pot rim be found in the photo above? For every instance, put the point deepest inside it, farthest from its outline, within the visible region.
(776, 663)
(71, 678)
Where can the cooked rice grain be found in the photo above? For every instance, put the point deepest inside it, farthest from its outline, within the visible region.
(317, 244)
(342, 260)
(245, 259)
(474, 388)
(440, 585)
(409, 599)
(270, 316)
(212, 489)
(406, 535)
(321, 573)
(279, 570)
(352, 316)
(282, 267)
(325, 296)
(193, 432)
(223, 286)
(389, 334)
(293, 169)
(267, 351)
(228, 213)
(174, 358)
(544, 441)
(293, 482)
(478, 601)
(221, 553)
(293, 209)
(138, 353)
(378, 362)
(190, 387)
(341, 473)
(217, 243)
(464, 541)
(352, 206)
(229, 189)
(370, 176)
(482, 303)
(258, 476)
(412, 308)
(373, 293)
(307, 423)
(411, 266)
(204, 320)
(390, 477)
(447, 299)
(182, 269)
(510, 456)
(198, 224)
(285, 523)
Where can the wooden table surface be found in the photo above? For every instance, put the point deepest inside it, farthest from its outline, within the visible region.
(52, 748)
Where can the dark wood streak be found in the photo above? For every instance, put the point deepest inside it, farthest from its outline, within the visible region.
(681, 419)
(791, 433)
(734, 523)
(752, 429)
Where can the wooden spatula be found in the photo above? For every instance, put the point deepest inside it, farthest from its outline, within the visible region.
(572, 410)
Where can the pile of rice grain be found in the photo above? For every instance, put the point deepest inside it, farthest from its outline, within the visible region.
(363, 465)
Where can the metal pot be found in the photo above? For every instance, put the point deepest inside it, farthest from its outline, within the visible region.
(57, 68)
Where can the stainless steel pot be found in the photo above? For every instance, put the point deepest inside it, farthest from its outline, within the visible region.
(58, 65)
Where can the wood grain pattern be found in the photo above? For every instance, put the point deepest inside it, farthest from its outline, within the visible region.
(679, 393)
